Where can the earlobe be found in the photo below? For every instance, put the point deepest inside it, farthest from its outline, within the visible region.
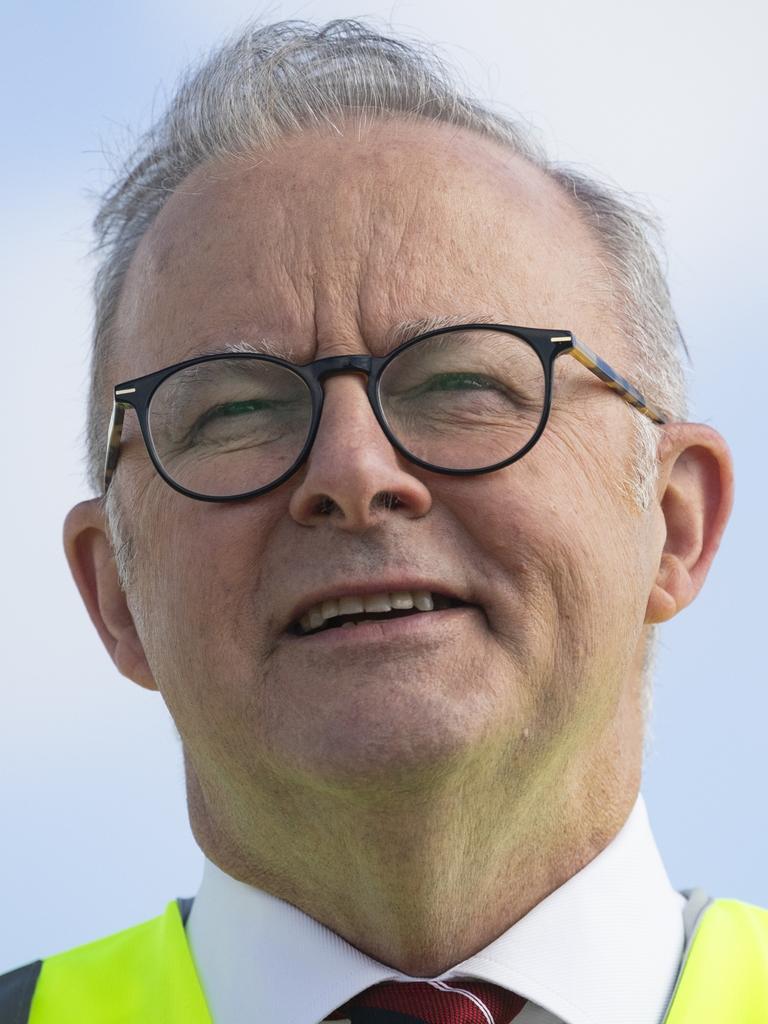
(672, 591)
(695, 499)
(92, 564)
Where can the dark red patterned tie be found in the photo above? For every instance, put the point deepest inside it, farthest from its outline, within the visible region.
(458, 1001)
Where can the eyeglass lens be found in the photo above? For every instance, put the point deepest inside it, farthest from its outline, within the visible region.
(460, 400)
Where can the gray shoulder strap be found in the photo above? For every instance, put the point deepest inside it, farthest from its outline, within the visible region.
(16, 991)
(185, 905)
(698, 901)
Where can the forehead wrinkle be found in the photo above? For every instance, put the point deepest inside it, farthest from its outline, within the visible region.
(337, 295)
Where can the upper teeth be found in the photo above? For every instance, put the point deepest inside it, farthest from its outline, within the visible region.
(353, 605)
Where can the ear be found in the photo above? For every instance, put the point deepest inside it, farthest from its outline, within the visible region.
(695, 494)
(92, 563)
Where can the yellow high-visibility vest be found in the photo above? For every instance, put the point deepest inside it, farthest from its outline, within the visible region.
(145, 975)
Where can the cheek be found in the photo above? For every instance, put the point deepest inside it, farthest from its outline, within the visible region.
(205, 570)
(561, 547)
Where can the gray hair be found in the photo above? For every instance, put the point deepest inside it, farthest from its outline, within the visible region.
(273, 80)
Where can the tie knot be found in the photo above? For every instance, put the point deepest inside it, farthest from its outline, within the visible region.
(458, 1001)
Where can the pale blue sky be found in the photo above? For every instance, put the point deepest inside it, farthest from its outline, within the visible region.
(665, 100)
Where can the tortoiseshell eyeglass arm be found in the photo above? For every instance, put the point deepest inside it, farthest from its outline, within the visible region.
(113, 439)
(614, 380)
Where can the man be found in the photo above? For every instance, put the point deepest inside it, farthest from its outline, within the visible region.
(392, 552)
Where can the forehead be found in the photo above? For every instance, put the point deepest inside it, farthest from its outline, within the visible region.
(330, 240)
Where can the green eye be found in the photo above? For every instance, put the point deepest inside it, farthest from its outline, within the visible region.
(251, 417)
(237, 408)
(458, 382)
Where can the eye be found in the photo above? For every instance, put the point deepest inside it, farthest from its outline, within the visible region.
(256, 420)
(457, 382)
(235, 409)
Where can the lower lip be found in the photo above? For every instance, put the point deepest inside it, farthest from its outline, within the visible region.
(424, 626)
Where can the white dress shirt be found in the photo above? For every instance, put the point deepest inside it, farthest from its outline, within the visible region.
(604, 948)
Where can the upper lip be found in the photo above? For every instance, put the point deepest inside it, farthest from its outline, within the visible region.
(379, 586)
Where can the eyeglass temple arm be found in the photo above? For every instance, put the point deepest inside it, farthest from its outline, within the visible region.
(614, 380)
(113, 440)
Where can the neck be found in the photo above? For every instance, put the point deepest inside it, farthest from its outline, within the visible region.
(422, 877)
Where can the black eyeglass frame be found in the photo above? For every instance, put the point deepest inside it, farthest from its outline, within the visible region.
(548, 344)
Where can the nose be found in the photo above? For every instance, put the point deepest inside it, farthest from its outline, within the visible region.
(353, 474)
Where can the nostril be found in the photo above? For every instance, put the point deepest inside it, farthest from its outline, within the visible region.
(386, 500)
(326, 506)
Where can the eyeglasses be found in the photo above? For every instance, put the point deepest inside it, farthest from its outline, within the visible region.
(462, 400)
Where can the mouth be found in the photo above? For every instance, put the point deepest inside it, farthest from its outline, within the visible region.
(352, 611)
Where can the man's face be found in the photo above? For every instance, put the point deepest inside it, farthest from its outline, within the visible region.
(319, 249)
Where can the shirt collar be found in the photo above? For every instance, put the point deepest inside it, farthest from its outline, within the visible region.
(605, 946)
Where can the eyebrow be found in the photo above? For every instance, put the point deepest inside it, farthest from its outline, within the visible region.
(407, 329)
(260, 346)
